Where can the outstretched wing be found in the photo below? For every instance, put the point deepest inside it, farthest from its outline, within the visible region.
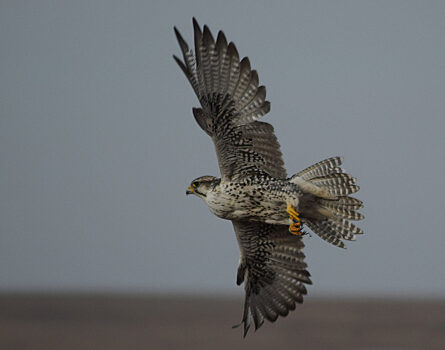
(272, 269)
(231, 102)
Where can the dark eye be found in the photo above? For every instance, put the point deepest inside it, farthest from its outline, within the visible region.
(194, 184)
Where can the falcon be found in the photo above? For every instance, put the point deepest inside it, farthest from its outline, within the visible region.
(267, 208)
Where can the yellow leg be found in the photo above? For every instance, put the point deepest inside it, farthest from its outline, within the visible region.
(295, 226)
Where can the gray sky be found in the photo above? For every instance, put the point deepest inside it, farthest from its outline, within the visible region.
(98, 144)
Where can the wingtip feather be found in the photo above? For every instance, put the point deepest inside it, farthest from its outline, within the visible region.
(196, 27)
(232, 51)
(182, 43)
(207, 36)
(221, 40)
(181, 65)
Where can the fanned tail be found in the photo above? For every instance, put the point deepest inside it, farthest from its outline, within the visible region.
(331, 187)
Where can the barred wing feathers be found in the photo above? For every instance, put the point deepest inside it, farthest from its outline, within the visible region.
(272, 269)
(231, 103)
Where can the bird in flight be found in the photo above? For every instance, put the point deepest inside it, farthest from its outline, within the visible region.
(267, 208)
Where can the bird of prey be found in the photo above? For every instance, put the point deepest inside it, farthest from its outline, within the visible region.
(267, 208)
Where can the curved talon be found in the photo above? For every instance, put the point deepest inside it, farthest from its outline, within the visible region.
(295, 226)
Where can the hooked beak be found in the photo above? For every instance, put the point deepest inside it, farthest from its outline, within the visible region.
(189, 190)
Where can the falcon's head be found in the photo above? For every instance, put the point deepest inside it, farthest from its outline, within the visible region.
(202, 185)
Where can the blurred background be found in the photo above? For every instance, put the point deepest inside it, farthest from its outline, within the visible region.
(99, 244)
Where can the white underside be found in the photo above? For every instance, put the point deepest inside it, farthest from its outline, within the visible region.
(250, 205)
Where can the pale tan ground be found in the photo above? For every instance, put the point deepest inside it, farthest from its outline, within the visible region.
(154, 322)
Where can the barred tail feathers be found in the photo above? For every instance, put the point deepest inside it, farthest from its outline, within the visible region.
(331, 187)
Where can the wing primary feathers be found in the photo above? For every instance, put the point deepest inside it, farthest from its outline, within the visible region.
(234, 69)
(209, 42)
(189, 62)
(205, 46)
(243, 80)
(273, 271)
(232, 101)
(249, 91)
(183, 67)
(224, 61)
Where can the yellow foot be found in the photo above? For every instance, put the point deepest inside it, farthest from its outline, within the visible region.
(295, 229)
(295, 226)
